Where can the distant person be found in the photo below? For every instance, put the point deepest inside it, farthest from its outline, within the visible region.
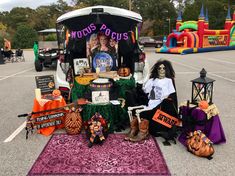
(7, 45)
(7, 49)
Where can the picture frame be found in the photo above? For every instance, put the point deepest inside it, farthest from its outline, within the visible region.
(100, 97)
(79, 65)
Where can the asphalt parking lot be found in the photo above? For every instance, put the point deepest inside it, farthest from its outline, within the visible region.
(17, 84)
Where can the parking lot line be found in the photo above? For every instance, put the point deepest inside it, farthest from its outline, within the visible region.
(5, 77)
(15, 133)
(213, 74)
(221, 61)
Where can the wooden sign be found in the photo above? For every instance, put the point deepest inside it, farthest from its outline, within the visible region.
(45, 83)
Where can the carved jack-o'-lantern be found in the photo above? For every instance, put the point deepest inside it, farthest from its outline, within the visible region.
(199, 144)
(73, 122)
(56, 93)
(124, 71)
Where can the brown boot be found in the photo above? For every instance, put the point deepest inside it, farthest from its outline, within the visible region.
(143, 131)
(134, 129)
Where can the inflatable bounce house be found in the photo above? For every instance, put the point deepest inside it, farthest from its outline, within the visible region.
(195, 36)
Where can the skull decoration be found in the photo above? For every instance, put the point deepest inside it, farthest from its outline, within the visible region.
(161, 71)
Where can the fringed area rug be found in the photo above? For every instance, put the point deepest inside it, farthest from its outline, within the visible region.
(69, 155)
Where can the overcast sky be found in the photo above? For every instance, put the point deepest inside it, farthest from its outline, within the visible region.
(7, 5)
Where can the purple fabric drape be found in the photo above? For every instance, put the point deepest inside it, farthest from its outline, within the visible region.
(212, 128)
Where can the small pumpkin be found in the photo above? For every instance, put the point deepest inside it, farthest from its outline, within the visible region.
(203, 104)
(82, 101)
(124, 71)
(56, 93)
(73, 123)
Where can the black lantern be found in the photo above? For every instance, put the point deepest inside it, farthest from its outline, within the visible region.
(202, 88)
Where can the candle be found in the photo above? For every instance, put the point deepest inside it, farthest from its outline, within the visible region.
(97, 70)
(38, 94)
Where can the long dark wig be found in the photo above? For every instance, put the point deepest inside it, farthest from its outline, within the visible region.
(170, 73)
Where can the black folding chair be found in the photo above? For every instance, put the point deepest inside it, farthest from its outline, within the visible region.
(19, 55)
(8, 56)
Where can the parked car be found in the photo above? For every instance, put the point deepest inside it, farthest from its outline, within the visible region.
(159, 41)
(81, 24)
(151, 42)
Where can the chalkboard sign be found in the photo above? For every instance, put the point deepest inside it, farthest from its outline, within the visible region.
(45, 83)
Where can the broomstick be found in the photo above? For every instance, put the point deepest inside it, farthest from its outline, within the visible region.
(75, 104)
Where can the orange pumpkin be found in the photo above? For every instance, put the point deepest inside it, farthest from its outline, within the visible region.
(82, 101)
(203, 104)
(56, 93)
(124, 71)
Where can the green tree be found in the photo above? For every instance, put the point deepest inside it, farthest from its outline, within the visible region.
(3, 34)
(154, 12)
(217, 11)
(159, 11)
(51, 37)
(20, 16)
(24, 37)
(115, 3)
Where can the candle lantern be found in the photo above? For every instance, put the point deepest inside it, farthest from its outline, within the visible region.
(202, 88)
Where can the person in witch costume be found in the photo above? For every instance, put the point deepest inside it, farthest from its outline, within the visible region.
(161, 93)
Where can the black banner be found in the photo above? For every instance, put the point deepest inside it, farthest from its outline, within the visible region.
(45, 83)
(49, 116)
(49, 124)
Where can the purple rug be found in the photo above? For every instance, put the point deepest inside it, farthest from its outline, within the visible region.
(69, 155)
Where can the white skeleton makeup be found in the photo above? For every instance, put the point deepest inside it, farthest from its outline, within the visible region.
(161, 71)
